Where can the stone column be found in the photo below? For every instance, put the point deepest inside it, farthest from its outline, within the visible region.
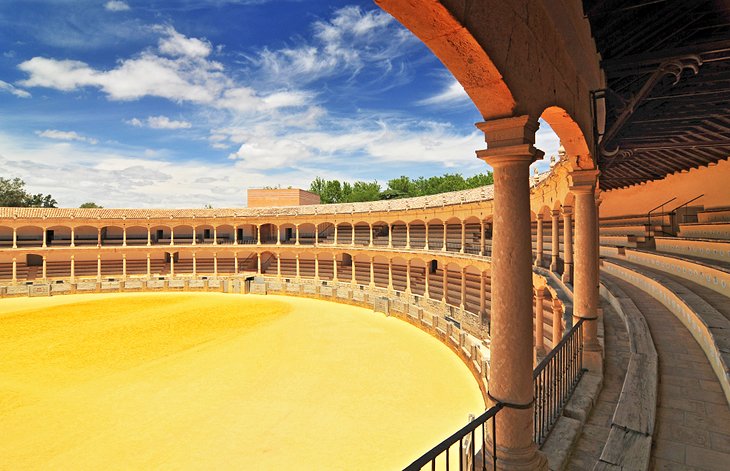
(568, 244)
(408, 277)
(98, 267)
(557, 322)
(408, 236)
(334, 268)
(426, 246)
(316, 267)
(555, 239)
(335, 233)
(481, 238)
(446, 228)
(195, 237)
(258, 263)
(215, 264)
(215, 236)
(15, 238)
(278, 234)
(425, 281)
(258, 234)
(149, 236)
(353, 234)
(371, 235)
(278, 265)
(124, 237)
(235, 235)
(149, 266)
(510, 153)
(195, 264)
(235, 262)
(372, 273)
(15, 270)
(297, 257)
(352, 267)
(390, 236)
(98, 236)
(585, 287)
(45, 236)
(539, 325)
(124, 266)
(390, 274)
(172, 236)
(483, 299)
(540, 239)
(316, 235)
(73, 268)
(73, 237)
(172, 264)
(45, 265)
(463, 236)
(463, 288)
(444, 285)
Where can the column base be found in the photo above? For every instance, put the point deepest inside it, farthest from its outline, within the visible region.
(553, 266)
(538, 261)
(540, 353)
(527, 459)
(593, 361)
(567, 275)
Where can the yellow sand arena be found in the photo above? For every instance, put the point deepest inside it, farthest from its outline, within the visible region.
(215, 381)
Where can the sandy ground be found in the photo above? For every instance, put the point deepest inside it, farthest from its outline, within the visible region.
(215, 381)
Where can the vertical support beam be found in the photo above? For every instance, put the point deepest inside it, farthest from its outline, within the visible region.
(98, 267)
(510, 153)
(390, 274)
(316, 235)
(235, 262)
(353, 234)
(463, 236)
(481, 237)
(195, 237)
(149, 236)
(298, 273)
(297, 234)
(408, 277)
(336, 233)
(215, 264)
(172, 236)
(149, 266)
(334, 268)
(540, 239)
(235, 234)
(73, 237)
(585, 288)
(371, 235)
(557, 322)
(172, 264)
(446, 228)
(45, 267)
(15, 269)
(15, 237)
(444, 284)
(258, 263)
(98, 236)
(463, 288)
(568, 241)
(390, 235)
(278, 265)
(539, 324)
(278, 234)
(354, 279)
(45, 236)
(195, 264)
(258, 234)
(426, 292)
(372, 272)
(124, 266)
(426, 246)
(215, 235)
(316, 267)
(124, 236)
(555, 239)
(483, 299)
(73, 268)
(408, 236)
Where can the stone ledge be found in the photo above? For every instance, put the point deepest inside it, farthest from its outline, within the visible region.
(560, 443)
(584, 397)
(626, 450)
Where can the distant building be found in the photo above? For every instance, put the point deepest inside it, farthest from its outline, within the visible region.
(261, 197)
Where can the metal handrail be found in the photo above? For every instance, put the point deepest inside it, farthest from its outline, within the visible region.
(648, 215)
(675, 210)
(458, 436)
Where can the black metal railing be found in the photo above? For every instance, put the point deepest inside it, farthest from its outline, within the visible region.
(648, 215)
(471, 446)
(555, 379)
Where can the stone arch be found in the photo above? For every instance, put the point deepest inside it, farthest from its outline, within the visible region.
(137, 235)
(418, 273)
(58, 234)
(572, 137)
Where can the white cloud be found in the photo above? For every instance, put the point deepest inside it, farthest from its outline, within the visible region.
(160, 122)
(65, 136)
(453, 93)
(116, 5)
(176, 44)
(6, 87)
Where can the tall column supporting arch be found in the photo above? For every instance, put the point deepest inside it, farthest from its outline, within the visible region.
(540, 239)
(539, 325)
(568, 244)
(510, 153)
(555, 239)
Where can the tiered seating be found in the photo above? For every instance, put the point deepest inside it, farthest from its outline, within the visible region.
(6, 271)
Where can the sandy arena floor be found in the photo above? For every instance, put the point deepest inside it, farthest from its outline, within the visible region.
(215, 381)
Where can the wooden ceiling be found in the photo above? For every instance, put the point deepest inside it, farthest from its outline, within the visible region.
(667, 65)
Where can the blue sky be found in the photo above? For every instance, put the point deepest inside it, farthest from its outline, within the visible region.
(163, 103)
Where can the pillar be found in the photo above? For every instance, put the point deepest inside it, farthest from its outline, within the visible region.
(539, 325)
(540, 239)
(372, 272)
(195, 264)
(463, 236)
(172, 236)
(316, 267)
(446, 228)
(334, 268)
(235, 262)
(371, 235)
(278, 234)
(555, 239)
(73, 237)
(483, 299)
(353, 234)
(15, 238)
(215, 264)
(98, 236)
(390, 274)
(408, 236)
(297, 266)
(316, 235)
(45, 236)
(278, 265)
(215, 236)
(444, 285)
(172, 264)
(354, 279)
(408, 277)
(426, 272)
(510, 153)
(73, 268)
(481, 237)
(390, 236)
(426, 246)
(15, 270)
(335, 233)
(149, 266)
(45, 266)
(149, 236)
(585, 273)
(568, 244)
(124, 236)
(557, 322)
(124, 266)
(98, 267)
(258, 263)
(463, 288)
(195, 237)
(235, 235)
(258, 234)
(297, 234)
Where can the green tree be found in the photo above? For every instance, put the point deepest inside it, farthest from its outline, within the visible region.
(13, 193)
(90, 204)
(364, 191)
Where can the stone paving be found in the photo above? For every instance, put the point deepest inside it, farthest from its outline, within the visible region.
(693, 418)
(595, 431)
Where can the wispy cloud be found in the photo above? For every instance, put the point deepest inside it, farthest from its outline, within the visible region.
(65, 136)
(116, 5)
(452, 93)
(160, 122)
(6, 87)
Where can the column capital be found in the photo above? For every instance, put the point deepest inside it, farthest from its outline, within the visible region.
(567, 210)
(510, 140)
(540, 292)
(555, 213)
(540, 216)
(583, 181)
